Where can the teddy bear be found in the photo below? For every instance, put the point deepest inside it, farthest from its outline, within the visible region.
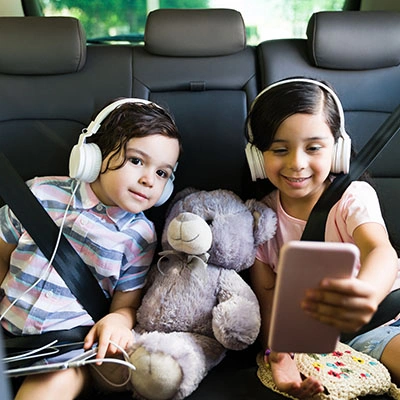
(196, 304)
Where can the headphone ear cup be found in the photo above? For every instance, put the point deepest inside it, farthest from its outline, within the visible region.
(341, 154)
(255, 160)
(166, 194)
(85, 162)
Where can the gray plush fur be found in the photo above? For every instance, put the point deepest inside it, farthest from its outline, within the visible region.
(193, 311)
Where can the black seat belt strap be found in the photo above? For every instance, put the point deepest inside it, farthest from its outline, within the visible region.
(44, 232)
(315, 227)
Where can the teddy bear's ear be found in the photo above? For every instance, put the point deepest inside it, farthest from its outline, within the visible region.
(264, 226)
(180, 195)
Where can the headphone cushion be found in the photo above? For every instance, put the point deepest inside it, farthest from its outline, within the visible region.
(255, 160)
(85, 162)
(341, 155)
(166, 194)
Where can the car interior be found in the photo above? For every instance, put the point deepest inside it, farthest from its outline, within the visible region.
(197, 64)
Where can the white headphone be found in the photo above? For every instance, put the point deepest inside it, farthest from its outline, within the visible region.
(342, 149)
(85, 159)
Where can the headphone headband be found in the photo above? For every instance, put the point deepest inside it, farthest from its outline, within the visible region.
(303, 80)
(105, 112)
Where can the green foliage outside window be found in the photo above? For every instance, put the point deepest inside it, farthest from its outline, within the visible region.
(264, 19)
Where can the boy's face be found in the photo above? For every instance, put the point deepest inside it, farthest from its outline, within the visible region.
(139, 183)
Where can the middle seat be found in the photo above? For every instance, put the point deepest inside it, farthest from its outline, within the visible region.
(196, 64)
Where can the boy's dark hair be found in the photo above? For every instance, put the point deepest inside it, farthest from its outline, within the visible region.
(132, 120)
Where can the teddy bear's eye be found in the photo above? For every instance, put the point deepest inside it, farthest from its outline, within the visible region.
(209, 221)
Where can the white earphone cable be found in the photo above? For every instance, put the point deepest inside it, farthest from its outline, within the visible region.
(124, 362)
(51, 258)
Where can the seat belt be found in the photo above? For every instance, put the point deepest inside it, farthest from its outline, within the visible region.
(314, 230)
(315, 227)
(44, 232)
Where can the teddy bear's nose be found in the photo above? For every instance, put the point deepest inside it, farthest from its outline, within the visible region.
(189, 233)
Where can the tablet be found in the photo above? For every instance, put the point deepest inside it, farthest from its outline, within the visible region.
(20, 363)
(302, 265)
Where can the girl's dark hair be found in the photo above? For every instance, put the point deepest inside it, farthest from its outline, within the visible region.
(280, 102)
(274, 105)
(132, 120)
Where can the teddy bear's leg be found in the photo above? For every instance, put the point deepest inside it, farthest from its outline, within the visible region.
(157, 376)
(171, 365)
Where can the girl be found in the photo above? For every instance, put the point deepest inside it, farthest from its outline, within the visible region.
(296, 134)
(131, 160)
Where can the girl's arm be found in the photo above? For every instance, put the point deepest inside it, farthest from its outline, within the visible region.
(5, 254)
(263, 283)
(117, 325)
(379, 262)
(349, 304)
(284, 370)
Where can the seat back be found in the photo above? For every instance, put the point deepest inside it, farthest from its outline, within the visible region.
(51, 84)
(362, 63)
(196, 63)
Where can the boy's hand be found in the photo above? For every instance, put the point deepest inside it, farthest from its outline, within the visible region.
(111, 328)
(347, 304)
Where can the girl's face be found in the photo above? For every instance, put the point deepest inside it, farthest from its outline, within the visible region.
(139, 183)
(299, 161)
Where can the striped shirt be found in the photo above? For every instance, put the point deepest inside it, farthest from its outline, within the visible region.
(118, 247)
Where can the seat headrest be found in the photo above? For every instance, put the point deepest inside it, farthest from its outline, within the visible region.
(194, 32)
(41, 45)
(354, 40)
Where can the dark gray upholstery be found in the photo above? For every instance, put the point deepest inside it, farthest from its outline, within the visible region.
(194, 33)
(55, 45)
(42, 113)
(207, 81)
(361, 42)
(368, 83)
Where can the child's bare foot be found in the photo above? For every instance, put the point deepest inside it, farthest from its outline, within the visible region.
(287, 377)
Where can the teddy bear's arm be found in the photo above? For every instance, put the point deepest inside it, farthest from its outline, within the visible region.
(236, 317)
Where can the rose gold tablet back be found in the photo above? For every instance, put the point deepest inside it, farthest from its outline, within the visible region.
(303, 265)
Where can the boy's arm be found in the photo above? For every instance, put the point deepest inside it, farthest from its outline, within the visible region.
(126, 305)
(5, 253)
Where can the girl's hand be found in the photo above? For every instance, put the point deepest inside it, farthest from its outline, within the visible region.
(347, 304)
(111, 328)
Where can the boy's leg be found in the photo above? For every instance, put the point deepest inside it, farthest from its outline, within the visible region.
(390, 358)
(60, 385)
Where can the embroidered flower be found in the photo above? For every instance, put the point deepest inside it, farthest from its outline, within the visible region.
(358, 360)
(339, 364)
(318, 366)
(337, 353)
(335, 374)
(347, 370)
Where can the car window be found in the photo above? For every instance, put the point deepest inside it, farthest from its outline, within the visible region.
(124, 20)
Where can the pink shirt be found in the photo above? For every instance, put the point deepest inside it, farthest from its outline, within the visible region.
(358, 205)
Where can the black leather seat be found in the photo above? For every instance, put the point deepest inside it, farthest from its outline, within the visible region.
(51, 83)
(196, 62)
(359, 53)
